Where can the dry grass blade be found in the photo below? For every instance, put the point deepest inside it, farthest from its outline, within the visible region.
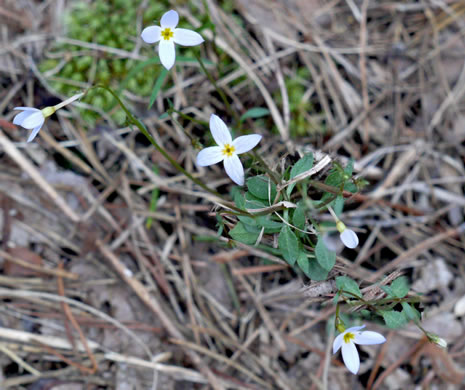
(150, 263)
(16, 155)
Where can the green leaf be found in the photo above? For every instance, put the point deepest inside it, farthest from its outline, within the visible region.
(334, 179)
(242, 234)
(301, 166)
(252, 202)
(262, 187)
(239, 199)
(348, 170)
(249, 202)
(311, 268)
(338, 205)
(251, 227)
(288, 244)
(220, 224)
(256, 112)
(351, 187)
(400, 287)
(388, 291)
(157, 86)
(269, 225)
(347, 284)
(298, 217)
(324, 256)
(394, 319)
(410, 312)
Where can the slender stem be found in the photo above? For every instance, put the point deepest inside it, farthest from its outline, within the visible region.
(325, 187)
(70, 100)
(331, 211)
(322, 205)
(218, 89)
(187, 117)
(132, 119)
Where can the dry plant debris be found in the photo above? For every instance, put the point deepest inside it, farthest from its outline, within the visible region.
(94, 296)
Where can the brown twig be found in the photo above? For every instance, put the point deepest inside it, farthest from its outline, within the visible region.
(70, 317)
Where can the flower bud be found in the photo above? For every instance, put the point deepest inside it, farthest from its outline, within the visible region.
(440, 342)
(340, 226)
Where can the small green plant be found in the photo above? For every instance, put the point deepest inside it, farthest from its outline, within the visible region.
(289, 211)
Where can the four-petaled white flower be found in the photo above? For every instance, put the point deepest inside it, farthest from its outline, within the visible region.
(347, 341)
(227, 150)
(167, 34)
(31, 119)
(348, 237)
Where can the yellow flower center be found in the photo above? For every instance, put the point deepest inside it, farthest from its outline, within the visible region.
(167, 34)
(228, 150)
(348, 337)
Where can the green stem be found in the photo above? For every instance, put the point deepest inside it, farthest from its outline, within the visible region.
(187, 117)
(132, 119)
(218, 89)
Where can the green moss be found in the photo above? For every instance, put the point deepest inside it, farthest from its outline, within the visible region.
(110, 23)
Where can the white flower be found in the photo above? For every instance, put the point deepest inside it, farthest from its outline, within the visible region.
(348, 237)
(227, 150)
(440, 342)
(168, 35)
(31, 119)
(347, 341)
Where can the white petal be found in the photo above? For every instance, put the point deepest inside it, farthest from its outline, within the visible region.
(219, 131)
(18, 119)
(167, 53)
(186, 37)
(26, 108)
(349, 238)
(33, 134)
(338, 342)
(368, 338)
(151, 34)
(169, 19)
(209, 156)
(246, 142)
(350, 357)
(233, 167)
(33, 120)
(355, 328)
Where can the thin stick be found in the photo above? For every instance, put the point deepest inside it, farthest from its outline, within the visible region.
(18, 360)
(25, 264)
(10, 148)
(70, 317)
(153, 305)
